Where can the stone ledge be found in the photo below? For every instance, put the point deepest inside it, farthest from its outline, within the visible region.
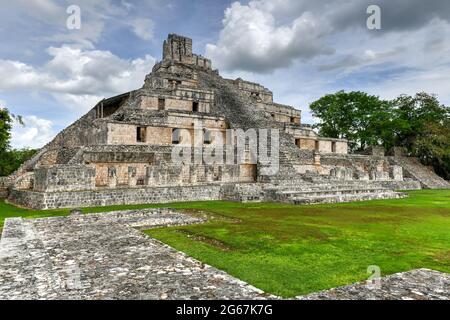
(419, 284)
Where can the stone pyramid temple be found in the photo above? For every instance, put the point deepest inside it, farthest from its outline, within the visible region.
(149, 146)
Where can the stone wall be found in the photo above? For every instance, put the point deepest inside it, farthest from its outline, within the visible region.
(281, 113)
(254, 90)
(119, 196)
(64, 178)
(178, 48)
(25, 181)
(202, 62)
(5, 182)
(182, 100)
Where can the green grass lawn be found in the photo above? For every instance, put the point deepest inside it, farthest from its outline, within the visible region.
(292, 250)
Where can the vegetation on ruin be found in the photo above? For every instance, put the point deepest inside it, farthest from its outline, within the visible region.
(419, 123)
(10, 159)
(292, 250)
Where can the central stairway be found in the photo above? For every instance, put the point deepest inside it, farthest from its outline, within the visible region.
(286, 184)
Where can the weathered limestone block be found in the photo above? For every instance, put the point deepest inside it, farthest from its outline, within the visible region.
(379, 175)
(317, 159)
(341, 173)
(64, 178)
(5, 183)
(361, 175)
(396, 173)
(25, 182)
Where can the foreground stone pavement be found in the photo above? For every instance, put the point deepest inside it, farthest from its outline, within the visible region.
(103, 256)
(420, 284)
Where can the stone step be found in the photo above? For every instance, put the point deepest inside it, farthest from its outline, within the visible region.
(318, 191)
(427, 177)
(346, 198)
(328, 186)
(325, 193)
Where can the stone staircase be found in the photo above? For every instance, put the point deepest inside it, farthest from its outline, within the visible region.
(286, 185)
(330, 193)
(412, 168)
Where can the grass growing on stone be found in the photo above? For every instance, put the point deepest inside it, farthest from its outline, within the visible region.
(292, 250)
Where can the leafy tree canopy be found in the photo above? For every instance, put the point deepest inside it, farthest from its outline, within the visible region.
(419, 123)
(10, 159)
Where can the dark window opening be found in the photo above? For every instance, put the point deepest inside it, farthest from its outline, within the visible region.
(317, 146)
(141, 134)
(161, 104)
(109, 106)
(176, 136)
(195, 106)
(140, 182)
(297, 142)
(292, 120)
(333, 147)
(207, 137)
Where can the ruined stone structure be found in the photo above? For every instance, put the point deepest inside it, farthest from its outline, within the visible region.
(122, 150)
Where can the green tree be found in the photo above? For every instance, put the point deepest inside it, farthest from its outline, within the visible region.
(6, 121)
(363, 119)
(10, 159)
(432, 147)
(419, 123)
(423, 126)
(413, 116)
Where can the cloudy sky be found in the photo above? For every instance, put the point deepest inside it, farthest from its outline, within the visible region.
(300, 49)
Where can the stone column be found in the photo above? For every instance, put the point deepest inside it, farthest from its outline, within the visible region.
(149, 176)
(396, 173)
(132, 172)
(112, 177)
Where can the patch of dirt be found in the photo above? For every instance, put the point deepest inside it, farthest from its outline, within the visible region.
(210, 215)
(443, 257)
(209, 241)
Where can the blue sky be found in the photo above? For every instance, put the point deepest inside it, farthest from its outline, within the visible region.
(300, 49)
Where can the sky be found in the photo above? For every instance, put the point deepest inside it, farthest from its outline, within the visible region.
(300, 49)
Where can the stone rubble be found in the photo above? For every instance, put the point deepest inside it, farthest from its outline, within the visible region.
(420, 284)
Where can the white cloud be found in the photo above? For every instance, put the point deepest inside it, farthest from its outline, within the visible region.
(143, 28)
(34, 134)
(253, 39)
(19, 75)
(77, 77)
(48, 18)
(399, 59)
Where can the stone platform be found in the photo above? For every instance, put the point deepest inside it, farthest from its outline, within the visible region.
(103, 256)
(420, 284)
